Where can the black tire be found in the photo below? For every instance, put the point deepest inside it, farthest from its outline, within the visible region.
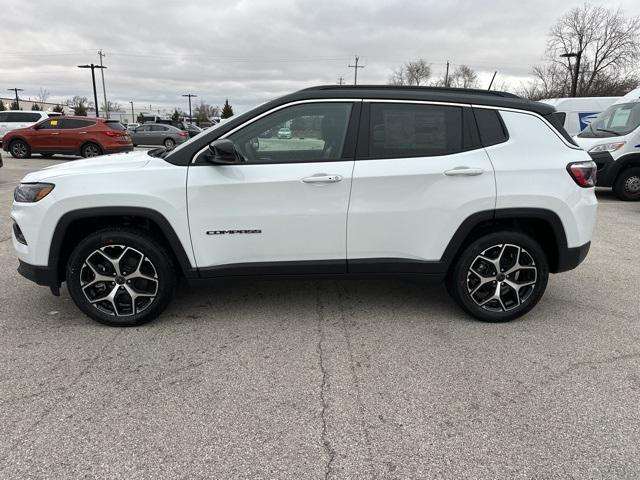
(462, 282)
(627, 185)
(90, 150)
(169, 143)
(19, 149)
(136, 248)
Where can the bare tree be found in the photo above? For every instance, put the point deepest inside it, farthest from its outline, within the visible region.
(413, 73)
(113, 106)
(43, 95)
(601, 41)
(463, 77)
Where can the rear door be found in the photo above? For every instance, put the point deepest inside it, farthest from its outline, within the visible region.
(419, 173)
(158, 134)
(72, 133)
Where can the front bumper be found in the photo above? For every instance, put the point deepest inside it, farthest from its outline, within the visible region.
(43, 276)
(570, 258)
(606, 168)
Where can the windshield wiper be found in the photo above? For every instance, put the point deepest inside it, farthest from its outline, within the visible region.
(609, 131)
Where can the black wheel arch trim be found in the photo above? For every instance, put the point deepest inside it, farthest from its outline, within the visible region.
(96, 212)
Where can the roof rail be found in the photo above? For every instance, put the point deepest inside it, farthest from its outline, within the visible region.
(469, 91)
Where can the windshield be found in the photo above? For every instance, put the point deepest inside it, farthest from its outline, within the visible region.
(615, 121)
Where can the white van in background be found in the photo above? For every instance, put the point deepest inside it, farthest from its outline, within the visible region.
(12, 119)
(613, 141)
(580, 111)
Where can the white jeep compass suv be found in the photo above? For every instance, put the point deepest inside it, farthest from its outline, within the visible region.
(482, 189)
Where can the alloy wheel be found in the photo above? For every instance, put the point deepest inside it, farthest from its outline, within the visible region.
(19, 149)
(501, 278)
(91, 151)
(119, 280)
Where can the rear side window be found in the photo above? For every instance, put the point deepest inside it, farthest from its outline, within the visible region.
(23, 117)
(3, 116)
(69, 123)
(116, 126)
(409, 130)
(490, 126)
(158, 128)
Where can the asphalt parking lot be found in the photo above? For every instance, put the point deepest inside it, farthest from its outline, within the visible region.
(381, 379)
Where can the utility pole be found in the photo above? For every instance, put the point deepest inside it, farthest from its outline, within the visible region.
(16, 90)
(104, 90)
(133, 115)
(93, 79)
(446, 76)
(341, 80)
(355, 70)
(574, 75)
(189, 95)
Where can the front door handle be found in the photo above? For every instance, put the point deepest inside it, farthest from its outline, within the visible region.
(322, 178)
(464, 172)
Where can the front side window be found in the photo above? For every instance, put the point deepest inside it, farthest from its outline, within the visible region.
(308, 132)
(617, 120)
(51, 124)
(411, 130)
(4, 116)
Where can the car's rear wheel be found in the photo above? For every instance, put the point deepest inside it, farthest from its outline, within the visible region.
(627, 185)
(20, 149)
(120, 277)
(500, 276)
(169, 143)
(90, 150)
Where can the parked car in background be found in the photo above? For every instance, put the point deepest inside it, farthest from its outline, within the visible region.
(578, 113)
(284, 133)
(190, 128)
(12, 119)
(132, 126)
(88, 137)
(613, 141)
(158, 134)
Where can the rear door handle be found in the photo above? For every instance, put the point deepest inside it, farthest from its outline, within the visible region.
(322, 178)
(464, 172)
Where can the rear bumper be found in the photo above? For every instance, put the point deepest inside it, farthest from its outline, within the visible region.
(118, 149)
(606, 168)
(570, 258)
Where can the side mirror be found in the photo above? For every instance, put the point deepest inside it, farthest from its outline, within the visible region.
(223, 152)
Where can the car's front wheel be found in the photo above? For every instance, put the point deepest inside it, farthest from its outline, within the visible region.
(500, 276)
(627, 185)
(20, 149)
(120, 277)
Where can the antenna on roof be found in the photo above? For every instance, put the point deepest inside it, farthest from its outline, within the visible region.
(492, 79)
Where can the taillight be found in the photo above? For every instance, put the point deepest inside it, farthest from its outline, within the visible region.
(583, 173)
(112, 133)
(183, 134)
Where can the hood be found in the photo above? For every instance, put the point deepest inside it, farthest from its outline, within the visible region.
(118, 162)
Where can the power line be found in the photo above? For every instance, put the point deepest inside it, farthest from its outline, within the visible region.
(355, 70)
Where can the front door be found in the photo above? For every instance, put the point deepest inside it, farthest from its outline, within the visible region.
(45, 136)
(283, 208)
(420, 172)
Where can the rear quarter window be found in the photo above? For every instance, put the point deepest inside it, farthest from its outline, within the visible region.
(490, 126)
(116, 126)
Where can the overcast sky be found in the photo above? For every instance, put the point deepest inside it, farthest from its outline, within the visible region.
(251, 51)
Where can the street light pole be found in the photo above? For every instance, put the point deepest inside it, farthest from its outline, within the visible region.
(16, 90)
(574, 76)
(189, 95)
(93, 79)
(133, 116)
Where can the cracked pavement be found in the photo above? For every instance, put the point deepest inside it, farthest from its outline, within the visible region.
(323, 379)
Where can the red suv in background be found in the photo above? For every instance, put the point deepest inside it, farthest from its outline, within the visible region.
(83, 136)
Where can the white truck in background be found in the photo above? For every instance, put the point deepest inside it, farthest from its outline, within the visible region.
(579, 112)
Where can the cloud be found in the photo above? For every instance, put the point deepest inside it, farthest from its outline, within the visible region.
(251, 51)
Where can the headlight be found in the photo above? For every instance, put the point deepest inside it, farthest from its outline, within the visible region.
(32, 192)
(607, 147)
